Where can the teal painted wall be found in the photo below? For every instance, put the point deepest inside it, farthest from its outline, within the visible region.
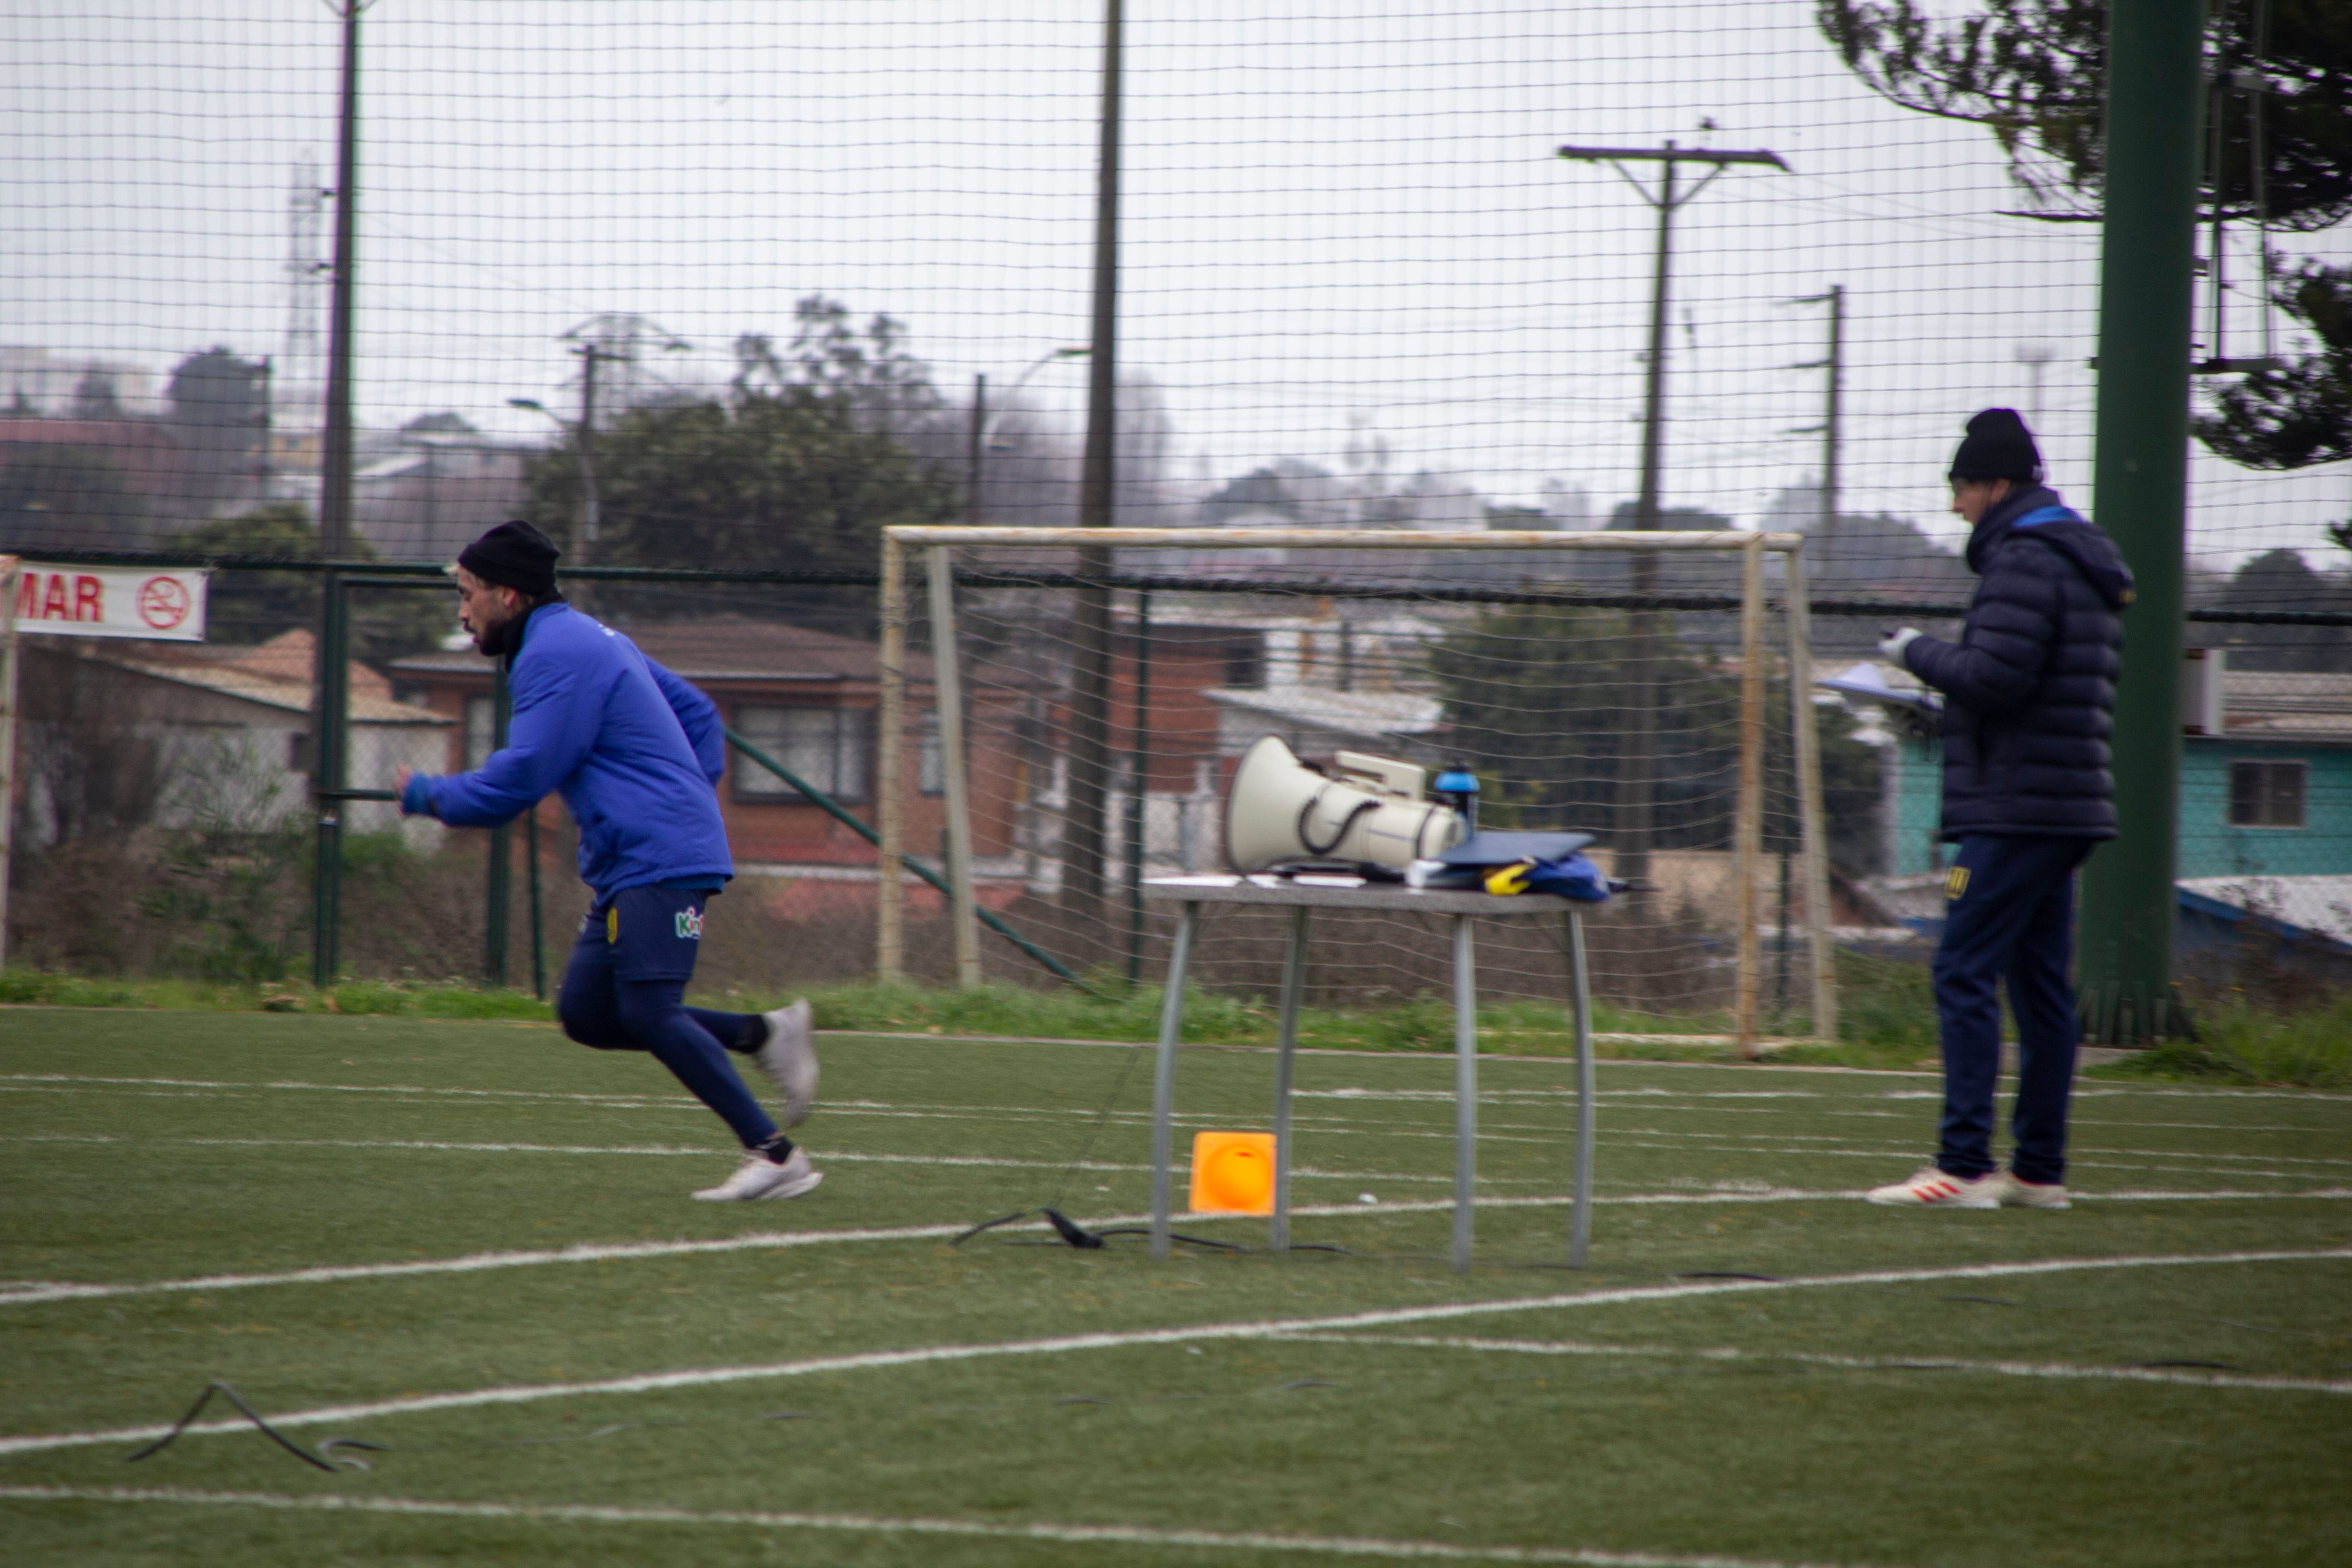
(2208, 845)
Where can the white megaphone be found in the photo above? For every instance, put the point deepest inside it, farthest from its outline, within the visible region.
(1368, 809)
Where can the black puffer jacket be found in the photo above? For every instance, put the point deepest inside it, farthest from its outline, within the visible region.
(2030, 685)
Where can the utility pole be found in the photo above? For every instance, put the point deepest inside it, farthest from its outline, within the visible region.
(335, 526)
(1084, 836)
(584, 549)
(1637, 780)
(2140, 475)
(979, 430)
(1829, 429)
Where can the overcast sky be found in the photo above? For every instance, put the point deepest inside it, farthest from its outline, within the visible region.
(1336, 214)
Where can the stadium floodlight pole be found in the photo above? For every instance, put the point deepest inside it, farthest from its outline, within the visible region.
(1637, 784)
(2155, 96)
(335, 520)
(1084, 832)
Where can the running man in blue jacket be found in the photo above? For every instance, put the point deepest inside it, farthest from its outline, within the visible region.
(2029, 692)
(635, 754)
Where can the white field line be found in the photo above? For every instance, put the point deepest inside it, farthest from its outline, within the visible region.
(700, 1377)
(870, 1524)
(756, 1241)
(1781, 1151)
(1497, 1132)
(2187, 1377)
(1307, 1173)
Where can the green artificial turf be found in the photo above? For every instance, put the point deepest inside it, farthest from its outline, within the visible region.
(1728, 1417)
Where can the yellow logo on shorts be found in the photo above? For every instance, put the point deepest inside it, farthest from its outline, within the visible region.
(613, 924)
(1956, 883)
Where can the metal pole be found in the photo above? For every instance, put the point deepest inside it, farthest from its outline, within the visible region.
(889, 913)
(12, 574)
(335, 489)
(1748, 820)
(948, 683)
(1294, 992)
(1830, 431)
(591, 513)
(1636, 816)
(2155, 98)
(1581, 999)
(978, 455)
(1083, 834)
(499, 891)
(326, 778)
(1163, 1077)
(1466, 1090)
(1139, 762)
(538, 926)
(335, 522)
(1812, 818)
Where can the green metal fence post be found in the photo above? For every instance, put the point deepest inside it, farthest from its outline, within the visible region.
(500, 891)
(2140, 476)
(326, 781)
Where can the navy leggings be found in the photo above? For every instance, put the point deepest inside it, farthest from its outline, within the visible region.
(2008, 917)
(603, 1007)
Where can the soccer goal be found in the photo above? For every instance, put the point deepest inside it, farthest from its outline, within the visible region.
(1061, 709)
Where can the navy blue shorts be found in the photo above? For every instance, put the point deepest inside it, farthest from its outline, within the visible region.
(649, 934)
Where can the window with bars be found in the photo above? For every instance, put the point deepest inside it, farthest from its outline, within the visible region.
(829, 747)
(2267, 795)
(931, 766)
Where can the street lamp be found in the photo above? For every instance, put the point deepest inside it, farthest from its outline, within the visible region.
(983, 424)
(588, 508)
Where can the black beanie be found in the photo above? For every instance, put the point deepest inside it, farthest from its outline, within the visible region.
(1997, 446)
(513, 555)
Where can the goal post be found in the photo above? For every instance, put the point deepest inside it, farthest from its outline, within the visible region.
(1735, 677)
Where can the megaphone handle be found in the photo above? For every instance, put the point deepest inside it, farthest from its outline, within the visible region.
(1306, 814)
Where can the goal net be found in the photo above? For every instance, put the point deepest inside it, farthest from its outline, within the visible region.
(1070, 704)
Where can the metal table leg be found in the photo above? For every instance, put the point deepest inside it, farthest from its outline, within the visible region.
(1581, 990)
(1466, 1090)
(1294, 987)
(1163, 1079)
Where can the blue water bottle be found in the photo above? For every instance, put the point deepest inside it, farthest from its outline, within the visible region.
(1458, 787)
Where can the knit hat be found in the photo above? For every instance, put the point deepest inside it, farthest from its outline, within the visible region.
(1997, 446)
(513, 555)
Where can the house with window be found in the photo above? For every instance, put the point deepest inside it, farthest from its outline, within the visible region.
(2265, 837)
(2266, 792)
(807, 698)
(185, 735)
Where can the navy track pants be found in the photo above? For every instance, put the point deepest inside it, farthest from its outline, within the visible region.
(625, 990)
(2008, 916)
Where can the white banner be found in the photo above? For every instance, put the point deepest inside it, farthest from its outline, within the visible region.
(109, 602)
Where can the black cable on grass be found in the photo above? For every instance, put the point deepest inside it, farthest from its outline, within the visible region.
(318, 1459)
(1051, 1211)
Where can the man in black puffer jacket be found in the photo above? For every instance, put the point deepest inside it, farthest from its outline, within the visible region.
(2029, 701)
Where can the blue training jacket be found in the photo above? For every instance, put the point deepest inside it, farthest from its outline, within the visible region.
(634, 750)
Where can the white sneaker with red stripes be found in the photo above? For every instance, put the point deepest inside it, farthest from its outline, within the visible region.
(1933, 1189)
(2017, 1192)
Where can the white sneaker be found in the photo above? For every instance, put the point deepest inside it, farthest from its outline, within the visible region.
(760, 1177)
(2017, 1192)
(790, 1060)
(1935, 1189)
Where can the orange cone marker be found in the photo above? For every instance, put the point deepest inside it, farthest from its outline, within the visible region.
(1233, 1173)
